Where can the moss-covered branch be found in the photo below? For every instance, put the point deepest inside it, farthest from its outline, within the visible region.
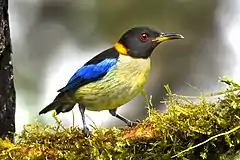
(198, 129)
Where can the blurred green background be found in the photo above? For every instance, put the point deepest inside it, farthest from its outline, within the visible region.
(52, 38)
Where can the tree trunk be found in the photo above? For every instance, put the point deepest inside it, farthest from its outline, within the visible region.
(7, 91)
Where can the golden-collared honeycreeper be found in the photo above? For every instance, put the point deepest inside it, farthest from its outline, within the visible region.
(113, 77)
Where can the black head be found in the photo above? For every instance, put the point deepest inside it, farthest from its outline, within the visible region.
(139, 42)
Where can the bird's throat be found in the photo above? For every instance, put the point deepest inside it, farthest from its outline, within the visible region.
(120, 48)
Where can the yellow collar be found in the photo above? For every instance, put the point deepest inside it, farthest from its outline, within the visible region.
(120, 48)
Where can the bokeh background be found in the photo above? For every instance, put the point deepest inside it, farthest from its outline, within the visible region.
(51, 39)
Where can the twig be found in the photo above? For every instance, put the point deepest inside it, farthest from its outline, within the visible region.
(59, 123)
(209, 139)
(73, 119)
(148, 103)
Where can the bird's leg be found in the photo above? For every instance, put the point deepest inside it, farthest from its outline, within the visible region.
(113, 112)
(86, 131)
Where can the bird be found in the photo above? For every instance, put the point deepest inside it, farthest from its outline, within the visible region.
(113, 77)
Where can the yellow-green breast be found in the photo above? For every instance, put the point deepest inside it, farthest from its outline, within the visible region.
(120, 85)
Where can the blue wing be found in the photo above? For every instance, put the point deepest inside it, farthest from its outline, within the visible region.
(90, 72)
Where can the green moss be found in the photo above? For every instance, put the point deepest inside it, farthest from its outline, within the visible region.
(190, 129)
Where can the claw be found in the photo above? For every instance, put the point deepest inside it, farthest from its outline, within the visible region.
(131, 124)
(137, 120)
(86, 131)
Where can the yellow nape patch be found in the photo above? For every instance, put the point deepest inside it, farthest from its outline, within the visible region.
(120, 48)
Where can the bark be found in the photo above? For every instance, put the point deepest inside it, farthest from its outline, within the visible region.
(7, 91)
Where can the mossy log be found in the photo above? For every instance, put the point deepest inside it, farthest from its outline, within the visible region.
(189, 129)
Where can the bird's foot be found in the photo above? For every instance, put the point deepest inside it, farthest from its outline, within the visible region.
(86, 131)
(131, 124)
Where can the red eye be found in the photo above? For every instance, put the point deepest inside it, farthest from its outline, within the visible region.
(143, 37)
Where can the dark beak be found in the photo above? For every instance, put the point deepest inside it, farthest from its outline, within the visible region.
(167, 36)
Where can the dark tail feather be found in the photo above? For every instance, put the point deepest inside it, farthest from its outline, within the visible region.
(58, 105)
(50, 107)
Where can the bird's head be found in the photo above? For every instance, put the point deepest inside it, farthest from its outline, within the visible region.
(139, 42)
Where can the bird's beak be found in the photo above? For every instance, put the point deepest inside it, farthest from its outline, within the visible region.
(167, 36)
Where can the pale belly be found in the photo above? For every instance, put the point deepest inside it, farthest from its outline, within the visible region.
(118, 87)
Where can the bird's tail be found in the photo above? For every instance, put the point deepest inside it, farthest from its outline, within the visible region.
(59, 105)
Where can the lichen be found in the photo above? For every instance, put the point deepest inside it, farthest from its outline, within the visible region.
(189, 129)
